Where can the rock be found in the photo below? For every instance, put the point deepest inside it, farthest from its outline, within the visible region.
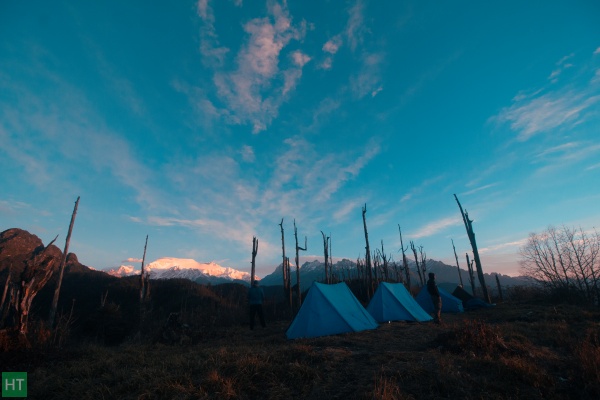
(17, 247)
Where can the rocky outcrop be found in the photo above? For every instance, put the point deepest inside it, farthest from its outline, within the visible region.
(17, 248)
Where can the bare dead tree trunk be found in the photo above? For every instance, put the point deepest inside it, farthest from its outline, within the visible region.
(326, 255)
(62, 268)
(414, 250)
(376, 265)
(298, 248)
(367, 255)
(396, 272)
(404, 260)
(499, 288)
(287, 266)
(331, 273)
(254, 252)
(143, 277)
(457, 266)
(144, 290)
(423, 263)
(385, 263)
(471, 273)
(359, 275)
(471, 234)
(285, 276)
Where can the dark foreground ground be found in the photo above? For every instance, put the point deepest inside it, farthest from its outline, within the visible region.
(514, 351)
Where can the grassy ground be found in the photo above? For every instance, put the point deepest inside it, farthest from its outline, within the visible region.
(513, 351)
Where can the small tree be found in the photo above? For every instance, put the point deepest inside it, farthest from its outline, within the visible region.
(567, 259)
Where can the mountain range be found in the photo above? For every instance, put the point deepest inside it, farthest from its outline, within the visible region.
(186, 268)
(17, 246)
(212, 273)
(446, 275)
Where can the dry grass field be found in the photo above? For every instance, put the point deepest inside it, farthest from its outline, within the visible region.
(513, 351)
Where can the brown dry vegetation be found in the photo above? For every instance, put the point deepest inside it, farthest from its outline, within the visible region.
(515, 351)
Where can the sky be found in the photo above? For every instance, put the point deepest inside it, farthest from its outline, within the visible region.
(203, 124)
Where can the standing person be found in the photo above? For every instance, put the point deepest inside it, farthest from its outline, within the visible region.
(256, 296)
(435, 298)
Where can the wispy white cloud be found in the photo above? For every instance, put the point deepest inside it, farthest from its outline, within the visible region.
(434, 227)
(355, 28)
(554, 74)
(376, 91)
(239, 230)
(304, 172)
(563, 157)
(512, 246)
(300, 59)
(594, 166)
(244, 90)
(507, 160)
(553, 108)
(560, 148)
(565, 58)
(325, 108)
(562, 66)
(327, 63)
(368, 80)
(333, 45)
(346, 208)
(472, 191)
(213, 54)
(597, 51)
(12, 207)
(418, 190)
(247, 153)
(132, 260)
(293, 75)
(330, 47)
(347, 173)
(533, 116)
(67, 127)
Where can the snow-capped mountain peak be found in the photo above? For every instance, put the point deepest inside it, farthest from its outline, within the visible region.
(123, 270)
(187, 268)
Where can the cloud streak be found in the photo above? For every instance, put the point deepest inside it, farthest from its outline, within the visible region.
(435, 227)
(243, 90)
(531, 117)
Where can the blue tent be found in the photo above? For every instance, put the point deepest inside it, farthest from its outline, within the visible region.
(392, 302)
(329, 310)
(449, 302)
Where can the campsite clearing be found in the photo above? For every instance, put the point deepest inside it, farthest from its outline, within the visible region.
(511, 351)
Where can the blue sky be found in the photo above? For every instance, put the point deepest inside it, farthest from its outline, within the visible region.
(204, 123)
